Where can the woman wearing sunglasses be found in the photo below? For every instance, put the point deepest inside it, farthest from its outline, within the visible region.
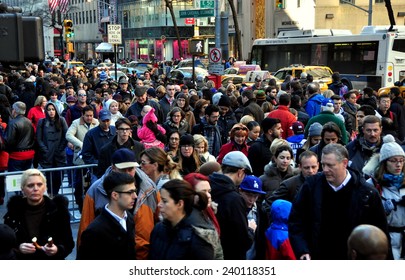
(238, 136)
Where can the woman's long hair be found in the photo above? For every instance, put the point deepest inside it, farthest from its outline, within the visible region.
(56, 120)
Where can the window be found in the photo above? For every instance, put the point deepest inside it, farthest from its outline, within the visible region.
(399, 45)
(345, 1)
(379, 1)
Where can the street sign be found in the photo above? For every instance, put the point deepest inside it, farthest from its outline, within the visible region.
(215, 55)
(208, 4)
(196, 46)
(215, 68)
(196, 13)
(114, 34)
(189, 20)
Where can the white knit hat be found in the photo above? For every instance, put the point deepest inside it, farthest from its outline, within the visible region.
(390, 148)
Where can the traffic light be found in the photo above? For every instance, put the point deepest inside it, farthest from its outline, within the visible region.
(69, 32)
(280, 4)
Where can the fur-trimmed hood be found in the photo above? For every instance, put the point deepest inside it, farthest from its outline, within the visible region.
(372, 165)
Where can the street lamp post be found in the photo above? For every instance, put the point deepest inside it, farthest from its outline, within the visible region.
(369, 11)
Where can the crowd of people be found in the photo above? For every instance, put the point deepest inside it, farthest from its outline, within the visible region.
(194, 170)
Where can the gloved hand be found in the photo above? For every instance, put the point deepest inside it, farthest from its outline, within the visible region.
(401, 201)
(389, 205)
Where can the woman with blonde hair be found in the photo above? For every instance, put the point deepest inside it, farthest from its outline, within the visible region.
(201, 145)
(159, 166)
(38, 111)
(246, 119)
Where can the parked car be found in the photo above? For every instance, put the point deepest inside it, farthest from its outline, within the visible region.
(139, 67)
(111, 66)
(119, 75)
(179, 74)
(189, 63)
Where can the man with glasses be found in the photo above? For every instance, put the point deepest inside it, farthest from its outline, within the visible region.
(145, 211)
(111, 235)
(232, 210)
(74, 112)
(122, 139)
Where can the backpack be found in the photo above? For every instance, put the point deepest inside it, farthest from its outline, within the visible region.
(343, 90)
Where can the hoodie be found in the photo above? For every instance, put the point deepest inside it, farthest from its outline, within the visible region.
(231, 216)
(278, 246)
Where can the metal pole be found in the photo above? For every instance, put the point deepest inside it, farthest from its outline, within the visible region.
(370, 12)
(217, 25)
(115, 59)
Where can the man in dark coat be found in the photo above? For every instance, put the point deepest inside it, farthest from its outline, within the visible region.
(121, 140)
(330, 205)
(232, 209)
(109, 237)
(259, 153)
(142, 100)
(250, 107)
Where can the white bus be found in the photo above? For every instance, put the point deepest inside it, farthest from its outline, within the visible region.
(374, 58)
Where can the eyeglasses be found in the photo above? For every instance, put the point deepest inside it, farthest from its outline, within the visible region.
(124, 129)
(145, 163)
(174, 139)
(81, 94)
(130, 192)
(187, 146)
(395, 161)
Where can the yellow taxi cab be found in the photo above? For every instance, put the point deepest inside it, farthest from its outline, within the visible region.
(322, 74)
(237, 74)
(78, 64)
(387, 90)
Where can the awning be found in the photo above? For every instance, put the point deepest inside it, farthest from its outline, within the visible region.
(105, 48)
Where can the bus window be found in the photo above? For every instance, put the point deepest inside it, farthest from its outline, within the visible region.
(399, 45)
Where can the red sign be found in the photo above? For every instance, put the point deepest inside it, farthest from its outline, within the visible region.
(189, 21)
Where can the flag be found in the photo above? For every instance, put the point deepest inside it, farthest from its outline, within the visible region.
(52, 5)
(63, 6)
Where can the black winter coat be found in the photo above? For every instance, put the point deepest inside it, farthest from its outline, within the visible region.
(231, 216)
(178, 243)
(55, 224)
(106, 239)
(307, 217)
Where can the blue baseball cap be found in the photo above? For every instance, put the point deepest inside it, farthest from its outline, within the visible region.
(252, 184)
(104, 115)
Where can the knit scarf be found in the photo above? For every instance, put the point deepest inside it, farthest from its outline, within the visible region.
(394, 180)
